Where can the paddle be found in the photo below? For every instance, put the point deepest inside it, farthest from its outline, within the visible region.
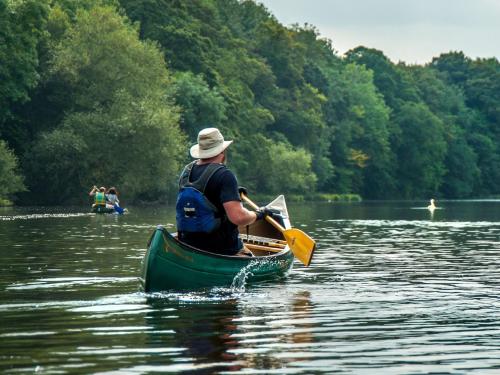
(301, 244)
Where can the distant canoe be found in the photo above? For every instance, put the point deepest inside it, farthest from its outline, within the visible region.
(172, 265)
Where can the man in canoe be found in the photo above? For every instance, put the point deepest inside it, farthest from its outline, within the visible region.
(209, 208)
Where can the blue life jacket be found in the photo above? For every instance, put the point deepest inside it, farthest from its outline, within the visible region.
(194, 212)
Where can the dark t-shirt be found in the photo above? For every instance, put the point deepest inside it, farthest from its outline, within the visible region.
(221, 188)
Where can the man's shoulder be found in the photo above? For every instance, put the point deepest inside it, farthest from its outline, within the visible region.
(216, 169)
(223, 177)
(224, 172)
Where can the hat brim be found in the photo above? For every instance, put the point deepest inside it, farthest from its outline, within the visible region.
(206, 154)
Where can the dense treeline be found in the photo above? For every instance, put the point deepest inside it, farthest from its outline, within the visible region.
(112, 92)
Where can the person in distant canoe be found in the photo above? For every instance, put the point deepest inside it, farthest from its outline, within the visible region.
(209, 208)
(100, 198)
(112, 197)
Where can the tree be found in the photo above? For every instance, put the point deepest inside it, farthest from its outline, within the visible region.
(292, 166)
(11, 181)
(462, 171)
(123, 127)
(454, 65)
(421, 153)
(489, 163)
(21, 29)
(392, 81)
(482, 90)
(184, 28)
(273, 166)
(201, 106)
(360, 148)
(447, 101)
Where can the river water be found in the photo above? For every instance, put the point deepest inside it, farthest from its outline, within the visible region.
(392, 289)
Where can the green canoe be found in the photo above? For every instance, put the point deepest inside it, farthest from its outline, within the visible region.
(102, 210)
(172, 265)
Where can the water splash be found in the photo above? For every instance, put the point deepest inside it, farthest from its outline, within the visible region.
(240, 280)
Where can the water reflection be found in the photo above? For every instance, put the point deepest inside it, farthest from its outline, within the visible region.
(302, 309)
(202, 331)
(228, 335)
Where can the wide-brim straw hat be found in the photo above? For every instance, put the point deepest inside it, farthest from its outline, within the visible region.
(210, 143)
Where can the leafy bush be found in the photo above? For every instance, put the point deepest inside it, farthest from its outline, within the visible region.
(11, 181)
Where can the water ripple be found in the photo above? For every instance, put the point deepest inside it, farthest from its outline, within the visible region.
(398, 295)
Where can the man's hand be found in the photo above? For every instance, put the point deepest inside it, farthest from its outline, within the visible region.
(242, 190)
(262, 212)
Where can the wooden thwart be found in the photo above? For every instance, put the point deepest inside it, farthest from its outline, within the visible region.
(263, 248)
(263, 241)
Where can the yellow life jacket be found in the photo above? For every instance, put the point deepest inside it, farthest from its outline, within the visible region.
(100, 199)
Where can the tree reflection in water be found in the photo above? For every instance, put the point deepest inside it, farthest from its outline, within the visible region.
(201, 331)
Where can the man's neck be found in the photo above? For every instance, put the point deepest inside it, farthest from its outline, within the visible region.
(216, 159)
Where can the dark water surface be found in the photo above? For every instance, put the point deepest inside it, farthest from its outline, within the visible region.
(392, 289)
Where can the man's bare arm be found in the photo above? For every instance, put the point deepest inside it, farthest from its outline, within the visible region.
(238, 214)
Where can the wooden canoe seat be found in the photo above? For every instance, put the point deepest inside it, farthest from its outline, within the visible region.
(261, 246)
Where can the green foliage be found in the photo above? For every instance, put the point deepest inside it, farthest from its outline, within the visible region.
(56, 166)
(462, 170)
(285, 55)
(21, 27)
(489, 163)
(327, 197)
(11, 181)
(287, 170)
(362, 147)
(86, 98)
(123, 128)
(274, 167)
(422, 151)
(21, 31)
(454, 65)
(479, 80)
(482, 88)
(393, 82)
(201, 107)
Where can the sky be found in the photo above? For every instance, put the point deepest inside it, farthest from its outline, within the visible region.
(413, 31)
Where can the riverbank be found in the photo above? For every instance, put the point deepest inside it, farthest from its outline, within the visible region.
(316, 197)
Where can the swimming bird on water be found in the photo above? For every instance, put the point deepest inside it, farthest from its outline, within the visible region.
(432, 206)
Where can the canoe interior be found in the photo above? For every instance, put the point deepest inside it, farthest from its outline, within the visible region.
(261, 228)
(261, 238)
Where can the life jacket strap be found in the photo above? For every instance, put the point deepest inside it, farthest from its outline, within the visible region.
(201, 183)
